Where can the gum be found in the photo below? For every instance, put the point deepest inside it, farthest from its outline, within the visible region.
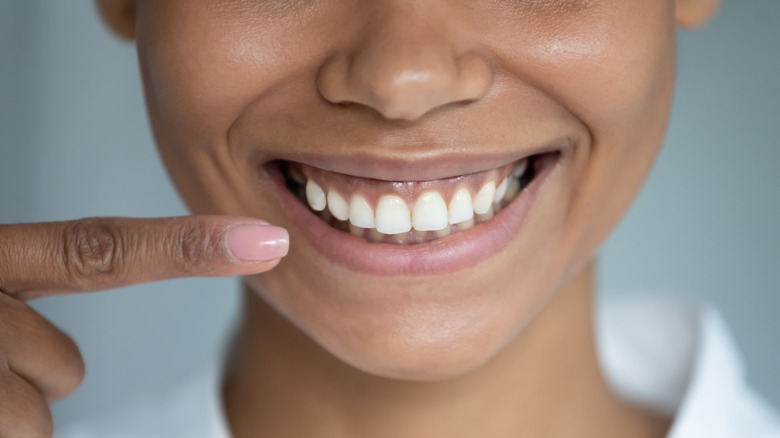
(372, 189)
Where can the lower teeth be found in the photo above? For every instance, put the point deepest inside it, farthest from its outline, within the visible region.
(409, 238)
(516, 185)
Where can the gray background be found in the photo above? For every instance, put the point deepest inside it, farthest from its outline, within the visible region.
(74, 142)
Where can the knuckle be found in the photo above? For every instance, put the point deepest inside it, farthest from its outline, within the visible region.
(194, 246)
(92, 250)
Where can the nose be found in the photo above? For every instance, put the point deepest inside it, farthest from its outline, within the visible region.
(404, 65)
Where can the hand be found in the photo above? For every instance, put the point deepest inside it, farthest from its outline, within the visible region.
(40, 364)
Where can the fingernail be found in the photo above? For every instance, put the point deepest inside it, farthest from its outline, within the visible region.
(258, 242)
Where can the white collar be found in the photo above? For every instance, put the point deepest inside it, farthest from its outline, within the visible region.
(680, 360)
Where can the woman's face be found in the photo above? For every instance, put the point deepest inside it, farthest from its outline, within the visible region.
(391, 114)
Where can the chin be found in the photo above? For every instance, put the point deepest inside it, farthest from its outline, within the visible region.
(416, 329)
(417, 351)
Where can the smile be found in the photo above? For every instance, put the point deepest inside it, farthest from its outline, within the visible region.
(407, 213)
(428, 227)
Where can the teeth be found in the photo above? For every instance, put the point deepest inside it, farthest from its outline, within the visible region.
(417, 234)
(360, 212)
(315, 196)
(512, 190)
(465, 225)
(401, 237)
(393, 215)
(484, 199)
(445, 232)
(338, 206)
(486, 215)
(520, 169)
(501, 191)
(297, 176)
(375, 236)
(461, 209)
(430, 212)
(355, 230)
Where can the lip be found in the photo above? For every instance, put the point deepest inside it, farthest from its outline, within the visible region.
(452, 253)
(417, 166)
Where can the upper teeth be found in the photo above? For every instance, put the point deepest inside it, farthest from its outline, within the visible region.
(461, 208)
(484, 199)
(360, 212)
(501, 190)
(429, 213)
(393, 215)
(315, 195)
(337, 206)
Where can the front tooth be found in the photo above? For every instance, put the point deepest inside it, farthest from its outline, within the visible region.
(430, 212)
(393, 215)
(520, 168)
(484, 199)
(461, 209)
(501, 191)
(338, 206)
(360, 212)
(315, 195)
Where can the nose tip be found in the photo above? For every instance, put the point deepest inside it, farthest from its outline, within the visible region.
(403, 76)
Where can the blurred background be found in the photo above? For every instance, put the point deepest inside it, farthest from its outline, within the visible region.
(74, 142)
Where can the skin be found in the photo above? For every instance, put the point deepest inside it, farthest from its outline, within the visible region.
(318, 353)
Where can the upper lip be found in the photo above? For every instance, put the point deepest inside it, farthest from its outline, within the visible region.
(417, 166)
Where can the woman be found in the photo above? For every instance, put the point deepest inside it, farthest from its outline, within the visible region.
(379, 135)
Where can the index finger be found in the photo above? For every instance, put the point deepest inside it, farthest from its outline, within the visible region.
(92, 254)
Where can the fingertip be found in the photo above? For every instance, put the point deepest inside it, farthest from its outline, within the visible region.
(268, 265)
(253, 268)
(258, 242)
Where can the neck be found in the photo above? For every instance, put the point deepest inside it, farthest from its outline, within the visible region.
(545, 383)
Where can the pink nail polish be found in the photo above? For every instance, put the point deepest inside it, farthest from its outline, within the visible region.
(258, 242)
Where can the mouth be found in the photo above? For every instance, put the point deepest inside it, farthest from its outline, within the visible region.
(386, 227)
(407, 212)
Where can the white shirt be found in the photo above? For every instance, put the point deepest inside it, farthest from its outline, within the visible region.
(676, 359)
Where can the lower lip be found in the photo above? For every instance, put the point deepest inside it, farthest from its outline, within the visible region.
(452, 253)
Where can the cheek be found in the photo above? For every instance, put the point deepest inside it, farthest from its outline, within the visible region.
(194, 67)
(627, 123)
(207, 63)
(200, 77)
(616, 76)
